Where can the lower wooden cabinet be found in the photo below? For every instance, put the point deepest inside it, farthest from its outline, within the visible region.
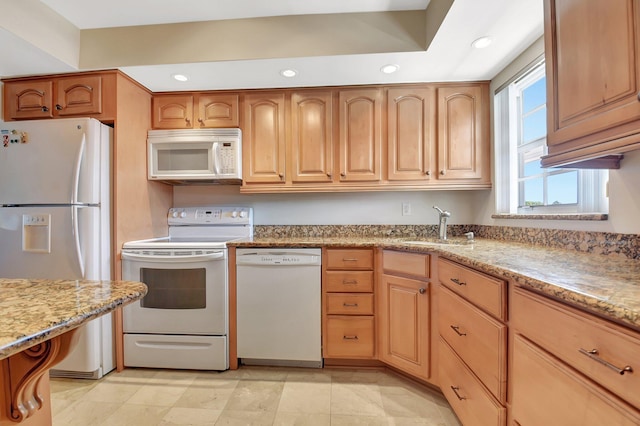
(548, 392)
(404, 312)
(348, 307)
(470, 400)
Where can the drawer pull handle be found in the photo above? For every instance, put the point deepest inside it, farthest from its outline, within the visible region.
(350, 305)
(457, 281)
(350, 337)
(593, 354)
(349, 281)
(349, 259)
(457, 330)
(455, 390)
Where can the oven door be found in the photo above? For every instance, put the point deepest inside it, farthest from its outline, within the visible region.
(187, 294)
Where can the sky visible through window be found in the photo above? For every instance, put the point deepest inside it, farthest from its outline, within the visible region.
(561, 188)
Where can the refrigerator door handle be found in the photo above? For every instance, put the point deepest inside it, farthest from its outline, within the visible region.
(76, 236)
(75, 185)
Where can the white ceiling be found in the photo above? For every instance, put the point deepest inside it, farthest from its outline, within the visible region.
(512, 24)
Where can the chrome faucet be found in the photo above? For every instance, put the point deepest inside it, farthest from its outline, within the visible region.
(442, 226)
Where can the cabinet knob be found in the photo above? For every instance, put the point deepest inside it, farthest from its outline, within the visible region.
(422, 290)
(329, 175)
(639, 96)
(187, 121)
(281, 176)
(45, 109)
(343, 174)
(442, 172)
(200, 121)
(58, 107)
(428, 173)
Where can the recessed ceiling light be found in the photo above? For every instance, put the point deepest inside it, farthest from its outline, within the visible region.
(289, 73)
(482, 42)
(180, 77)
(390, 68)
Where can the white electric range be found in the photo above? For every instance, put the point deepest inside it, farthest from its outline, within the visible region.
(182, 322)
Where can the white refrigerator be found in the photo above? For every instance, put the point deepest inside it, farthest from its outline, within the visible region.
(55, 218)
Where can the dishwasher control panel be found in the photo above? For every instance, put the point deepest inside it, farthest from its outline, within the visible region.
(284, 257)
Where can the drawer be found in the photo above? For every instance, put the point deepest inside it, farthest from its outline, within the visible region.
(349, 281)
(486, 292)
(349, 304)
(416, 265)
(349, 259)
(466, 395)
(565, 331)
(546, 392)
(349, 337)
(479, 339)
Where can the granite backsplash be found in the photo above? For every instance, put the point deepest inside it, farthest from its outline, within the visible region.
(625, 245)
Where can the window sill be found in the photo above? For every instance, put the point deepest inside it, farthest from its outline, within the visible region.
(570, 216)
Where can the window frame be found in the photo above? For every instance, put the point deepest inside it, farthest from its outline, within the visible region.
(510, 160)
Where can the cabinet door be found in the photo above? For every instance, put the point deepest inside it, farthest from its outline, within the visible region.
(218, 110)
(172, 111)
(463, 145)
(411, 139)
(311, 137)
(264, 138)
(31, 99)
(592, 50)
(360, 135)
(79, 95)
(546, 392)
(405, 324)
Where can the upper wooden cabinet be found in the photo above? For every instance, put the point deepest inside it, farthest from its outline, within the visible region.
(195, 110)
(360, 121)
(463, 139)
(76, 95)
(311, 136)
(411, 128)
(263, 136)
(592, 51)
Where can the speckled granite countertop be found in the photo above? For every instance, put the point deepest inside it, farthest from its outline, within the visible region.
(606, 285)
(33, 311)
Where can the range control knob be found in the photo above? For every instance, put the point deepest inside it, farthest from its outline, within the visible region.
(234, 214)
(183, 214)
(174, 214)
(243, 214)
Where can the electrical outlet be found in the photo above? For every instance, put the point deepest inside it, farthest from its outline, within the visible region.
(406, 209)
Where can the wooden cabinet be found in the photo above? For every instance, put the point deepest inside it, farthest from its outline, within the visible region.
(69, 96)
(348, 304)
(471, 315)
(592, 52)
(360, 122)
(582, 349)
(411, 128)
(404, 312)
(195, 110)
(312, 147)
(463, 133)
(263, 135)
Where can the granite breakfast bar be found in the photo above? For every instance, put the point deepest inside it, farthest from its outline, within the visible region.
(38, 320)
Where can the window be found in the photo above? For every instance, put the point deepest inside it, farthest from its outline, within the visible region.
(522, 185)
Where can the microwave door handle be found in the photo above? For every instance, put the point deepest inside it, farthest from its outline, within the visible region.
(172, 259)
(216, 158)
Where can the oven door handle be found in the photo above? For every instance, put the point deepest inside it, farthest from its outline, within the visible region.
(173, 259)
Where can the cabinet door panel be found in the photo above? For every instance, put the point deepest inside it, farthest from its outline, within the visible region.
(264, 138)
(218, 110)
(592, 74)
(462, 149)
(405, 324)
(79, 95)
(31, 99)
(410, 126)
(172, 112)
(311, 137)
(360, 137)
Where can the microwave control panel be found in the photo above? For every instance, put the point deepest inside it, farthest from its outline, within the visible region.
(228, 158)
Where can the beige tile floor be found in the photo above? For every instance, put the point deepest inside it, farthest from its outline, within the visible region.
(248, 396)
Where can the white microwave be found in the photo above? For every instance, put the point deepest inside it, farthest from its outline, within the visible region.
(195, 156)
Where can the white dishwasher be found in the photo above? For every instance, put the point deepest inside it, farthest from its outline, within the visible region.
(279, 306)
